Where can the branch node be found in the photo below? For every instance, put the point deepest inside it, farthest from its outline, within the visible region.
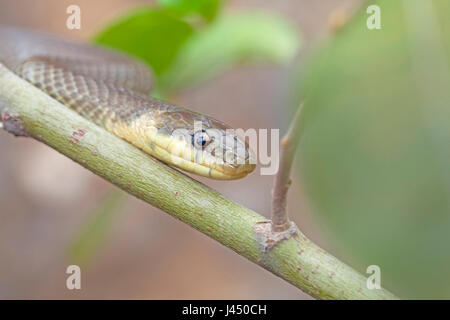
(13, 124)
(268, 238)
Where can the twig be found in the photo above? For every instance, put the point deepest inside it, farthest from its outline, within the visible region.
(296, 260)
(289, 143)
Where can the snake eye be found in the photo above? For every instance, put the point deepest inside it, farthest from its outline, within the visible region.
(201, 139)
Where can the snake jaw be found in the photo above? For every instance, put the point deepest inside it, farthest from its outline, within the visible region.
(218, 160)
(214, 161)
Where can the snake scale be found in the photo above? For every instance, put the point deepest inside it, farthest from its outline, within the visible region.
(112, 90)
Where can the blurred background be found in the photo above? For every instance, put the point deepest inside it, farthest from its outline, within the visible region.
(372, 173)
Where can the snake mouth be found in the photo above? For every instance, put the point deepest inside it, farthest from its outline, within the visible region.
(180, 160)
(177, 153)
(218, 172)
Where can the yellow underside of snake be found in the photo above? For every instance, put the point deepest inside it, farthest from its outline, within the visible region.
(112, 90)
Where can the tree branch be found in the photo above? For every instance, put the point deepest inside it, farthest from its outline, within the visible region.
(289, 143)
(28, 111)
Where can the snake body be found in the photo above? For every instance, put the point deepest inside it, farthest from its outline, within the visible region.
(112, 90)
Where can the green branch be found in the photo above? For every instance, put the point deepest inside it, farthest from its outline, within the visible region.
(28, 111)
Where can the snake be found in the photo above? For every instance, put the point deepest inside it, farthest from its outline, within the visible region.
(112, 90)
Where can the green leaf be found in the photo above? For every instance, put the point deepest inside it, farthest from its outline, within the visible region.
(152, 34)
(375, 152)
(206, 8)
(231, 39)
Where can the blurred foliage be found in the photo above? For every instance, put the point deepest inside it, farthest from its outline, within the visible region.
(95, 230)
(375, 151)
(233, 38)
(182, 52)
(208, 9)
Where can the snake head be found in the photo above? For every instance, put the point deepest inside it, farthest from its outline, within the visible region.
(201, 144)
